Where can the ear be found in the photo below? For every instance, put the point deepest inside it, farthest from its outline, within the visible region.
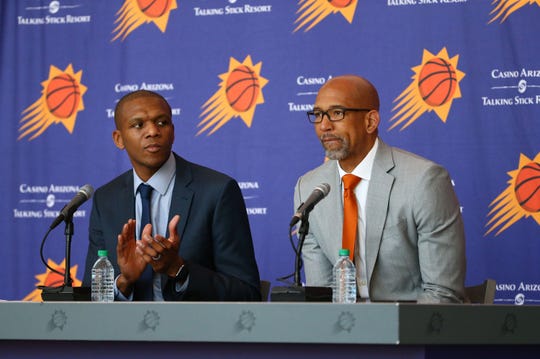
(117, 138)
(372, 121)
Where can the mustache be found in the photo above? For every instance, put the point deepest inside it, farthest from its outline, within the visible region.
(329, 136)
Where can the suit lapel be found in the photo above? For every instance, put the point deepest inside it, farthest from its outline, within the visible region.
(126, 201)
(182, 195)
(332, 218)
(377, 203)
(181, 201)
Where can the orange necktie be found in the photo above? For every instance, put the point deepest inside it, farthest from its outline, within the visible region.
(350, 213)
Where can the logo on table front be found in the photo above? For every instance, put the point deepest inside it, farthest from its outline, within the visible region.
(521, 199)
(434, 86)
(53, 279)
(135, 13)
(60, 102)
(312, 12)
(505, 8)
(239, 93)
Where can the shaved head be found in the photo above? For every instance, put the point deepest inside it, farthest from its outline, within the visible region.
(132, 96)
(360, 90)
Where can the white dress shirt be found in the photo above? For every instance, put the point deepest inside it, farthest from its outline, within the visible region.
(163, 184)
(363, 170)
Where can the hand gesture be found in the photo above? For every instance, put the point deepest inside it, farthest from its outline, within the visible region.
(160, 252)
(130, 262)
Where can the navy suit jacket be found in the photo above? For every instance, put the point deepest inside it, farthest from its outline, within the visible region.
(214, 232)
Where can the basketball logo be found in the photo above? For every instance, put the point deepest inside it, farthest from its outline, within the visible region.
(239, 93)
(154, 8)
(63, 96)
(54, 279)
(434, 87)
(60, 101)
(520, 199)
(527, 187)
(312, 12)
(340, 3)
(437, 82)
(135, 13)
(242, 88)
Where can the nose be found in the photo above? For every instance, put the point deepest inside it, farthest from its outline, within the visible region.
(152, 129)
(325, 124)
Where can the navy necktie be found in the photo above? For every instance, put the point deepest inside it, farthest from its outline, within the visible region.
(146, 195)
(143, 287)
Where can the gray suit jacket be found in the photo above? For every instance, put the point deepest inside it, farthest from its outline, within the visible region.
(415, 242)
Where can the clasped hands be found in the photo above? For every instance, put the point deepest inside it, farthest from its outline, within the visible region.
(159, 252)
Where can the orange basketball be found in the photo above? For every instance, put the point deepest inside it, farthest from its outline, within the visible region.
(437, 82)
(154, 8)
(63, 96)
(242, 88)
(527, 187)
(340, 3)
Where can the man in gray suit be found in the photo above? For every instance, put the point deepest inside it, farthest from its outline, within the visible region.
(410, 242)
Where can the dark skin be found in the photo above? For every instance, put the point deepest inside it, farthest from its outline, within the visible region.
(354, 136)
(145, 130)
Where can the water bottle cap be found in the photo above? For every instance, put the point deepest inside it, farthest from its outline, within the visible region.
(102, 253)
(344, 252)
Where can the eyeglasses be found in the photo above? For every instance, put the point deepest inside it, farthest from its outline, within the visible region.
(334, 114)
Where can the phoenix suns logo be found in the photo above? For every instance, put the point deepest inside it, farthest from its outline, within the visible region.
(240, 91)
(60, 102)
(312, 12)
(520, 199)
(505, 8)
(134, 13)
(53, 279)
(434, 86)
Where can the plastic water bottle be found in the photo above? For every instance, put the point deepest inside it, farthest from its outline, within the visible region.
(102, 279)
(344, 289)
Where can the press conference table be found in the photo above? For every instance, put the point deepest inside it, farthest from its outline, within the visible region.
(310, 330)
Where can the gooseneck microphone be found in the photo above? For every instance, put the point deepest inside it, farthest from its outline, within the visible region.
(84, 194)
(315, 197)
(299, 292)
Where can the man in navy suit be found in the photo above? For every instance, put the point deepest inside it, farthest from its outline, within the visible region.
(198, 245)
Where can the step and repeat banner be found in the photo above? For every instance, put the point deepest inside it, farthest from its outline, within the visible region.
(64, 65)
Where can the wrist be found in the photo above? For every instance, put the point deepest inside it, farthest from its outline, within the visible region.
(124, 285)
(175, 268)
(181, 274)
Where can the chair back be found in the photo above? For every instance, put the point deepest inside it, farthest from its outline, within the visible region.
(482, 293)
(265, 290)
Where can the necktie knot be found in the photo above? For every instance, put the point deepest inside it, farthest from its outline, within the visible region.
(350, 181)
(145, 191)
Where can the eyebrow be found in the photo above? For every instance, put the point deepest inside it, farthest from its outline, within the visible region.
(330, 108)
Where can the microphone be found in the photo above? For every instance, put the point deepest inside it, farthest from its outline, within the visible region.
(318, 193)
(84, 194)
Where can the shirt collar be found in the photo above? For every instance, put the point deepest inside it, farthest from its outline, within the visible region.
(363, 169)
(161, 180)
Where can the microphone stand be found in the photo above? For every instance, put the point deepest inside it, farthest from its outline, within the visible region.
(302, 231)
(68, 232)
(67, 292)
(299, 293)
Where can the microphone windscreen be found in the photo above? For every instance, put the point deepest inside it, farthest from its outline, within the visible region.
(87, 190)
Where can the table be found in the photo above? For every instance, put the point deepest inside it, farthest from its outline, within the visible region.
(253, 329)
